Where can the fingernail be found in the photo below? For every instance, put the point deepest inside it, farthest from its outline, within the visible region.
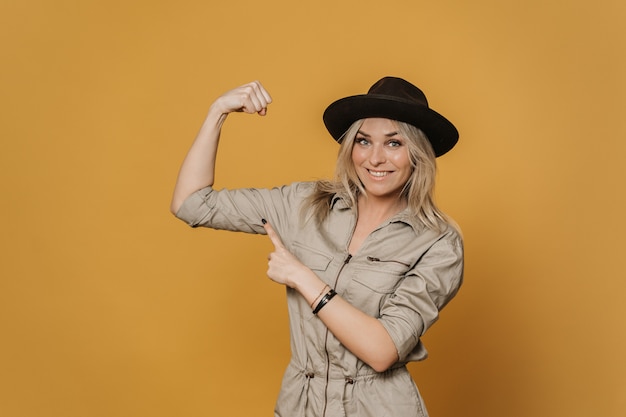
(263, 221)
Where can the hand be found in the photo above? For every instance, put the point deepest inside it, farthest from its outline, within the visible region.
(283, 266)
(248, 98)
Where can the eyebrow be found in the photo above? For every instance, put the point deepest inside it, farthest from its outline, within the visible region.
(389, 135)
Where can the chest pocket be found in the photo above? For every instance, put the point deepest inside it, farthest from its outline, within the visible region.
(373, 282)
(313, 258)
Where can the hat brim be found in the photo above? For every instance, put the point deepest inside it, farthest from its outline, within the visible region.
(339, 116)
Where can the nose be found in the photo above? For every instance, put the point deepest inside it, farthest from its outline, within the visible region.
(377, 155)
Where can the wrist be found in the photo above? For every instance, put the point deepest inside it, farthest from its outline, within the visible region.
(319, 296)
(324, 300)
(308, 285)
(216, 114)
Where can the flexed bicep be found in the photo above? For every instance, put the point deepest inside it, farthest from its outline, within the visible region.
(198, 168)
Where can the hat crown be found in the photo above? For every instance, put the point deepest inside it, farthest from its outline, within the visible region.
(398, 89)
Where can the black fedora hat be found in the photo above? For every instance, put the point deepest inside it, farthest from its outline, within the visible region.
(397, 99)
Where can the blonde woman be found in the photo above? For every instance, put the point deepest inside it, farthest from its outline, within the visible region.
(367, 258)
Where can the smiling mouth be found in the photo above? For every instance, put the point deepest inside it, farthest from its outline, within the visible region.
(378, 173)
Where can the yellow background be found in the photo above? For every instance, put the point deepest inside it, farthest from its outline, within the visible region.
(109, 307)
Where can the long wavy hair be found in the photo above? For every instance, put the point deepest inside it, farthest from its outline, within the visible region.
(418, 190)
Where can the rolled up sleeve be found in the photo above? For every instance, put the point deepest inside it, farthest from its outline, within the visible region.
(425, 290)
(241, 210)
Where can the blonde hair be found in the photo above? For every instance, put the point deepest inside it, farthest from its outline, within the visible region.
(418, 190)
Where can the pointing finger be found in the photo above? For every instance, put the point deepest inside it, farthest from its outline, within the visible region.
(271, 233)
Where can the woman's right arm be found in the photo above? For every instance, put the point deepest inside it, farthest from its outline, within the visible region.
(198, 168)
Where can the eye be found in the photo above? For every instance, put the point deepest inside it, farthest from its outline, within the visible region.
(394, 143)
(361, 141)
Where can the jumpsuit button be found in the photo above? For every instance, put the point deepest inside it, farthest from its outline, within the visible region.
(309, 375)
(349, 381)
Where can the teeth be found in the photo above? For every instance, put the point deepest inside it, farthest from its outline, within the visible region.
(378, 173)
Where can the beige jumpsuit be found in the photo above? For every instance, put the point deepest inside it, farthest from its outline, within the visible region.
(403, 274)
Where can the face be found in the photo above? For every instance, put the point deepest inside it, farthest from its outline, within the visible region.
(381, 158)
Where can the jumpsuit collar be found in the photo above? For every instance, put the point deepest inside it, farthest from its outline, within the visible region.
(342, 203)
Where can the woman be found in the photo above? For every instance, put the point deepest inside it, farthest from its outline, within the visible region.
(368, 259)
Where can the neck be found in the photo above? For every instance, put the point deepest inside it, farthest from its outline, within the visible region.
(380, 208)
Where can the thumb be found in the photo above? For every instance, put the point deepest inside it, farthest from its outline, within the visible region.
(271, 233)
